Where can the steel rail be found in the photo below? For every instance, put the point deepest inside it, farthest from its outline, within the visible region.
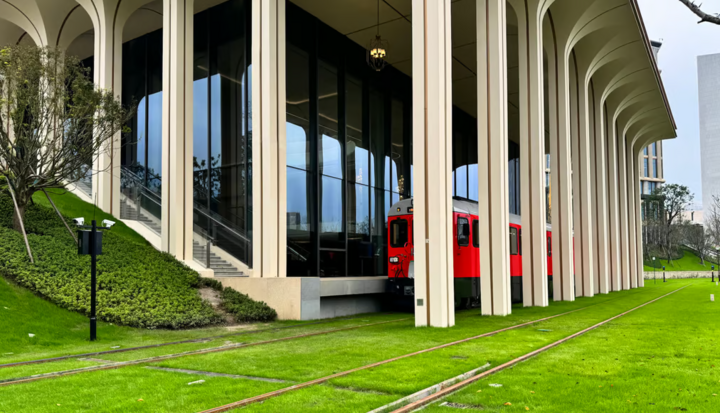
(269, 395)
(172, 343)
(451, 389)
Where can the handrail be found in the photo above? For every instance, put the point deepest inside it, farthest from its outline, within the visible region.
(139, 182)
(200, 211)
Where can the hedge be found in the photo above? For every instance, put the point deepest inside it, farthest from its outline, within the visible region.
(137, 285)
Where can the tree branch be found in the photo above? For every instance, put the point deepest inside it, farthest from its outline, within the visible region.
(704, 17)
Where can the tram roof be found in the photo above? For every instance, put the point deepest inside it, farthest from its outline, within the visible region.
(460, 205)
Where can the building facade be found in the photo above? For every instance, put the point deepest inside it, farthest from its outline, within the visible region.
(708, 83)
(269, 145)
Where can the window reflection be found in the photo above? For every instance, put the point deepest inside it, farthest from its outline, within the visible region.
(298, 109)
(357, 148)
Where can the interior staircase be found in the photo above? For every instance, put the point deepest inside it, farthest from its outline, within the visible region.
(221, 267)
(126, 210)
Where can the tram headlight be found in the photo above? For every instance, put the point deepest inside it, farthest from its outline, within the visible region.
(394, 260)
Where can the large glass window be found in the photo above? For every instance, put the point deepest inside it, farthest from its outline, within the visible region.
(645, 167)
(513, 241)
(463, 232)
(655, 167)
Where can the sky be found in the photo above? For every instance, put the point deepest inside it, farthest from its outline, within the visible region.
(683, 40)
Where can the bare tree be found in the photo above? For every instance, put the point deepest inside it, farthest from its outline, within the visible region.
(54, 122)
(704, 17)
(698, 238)
(675, 200)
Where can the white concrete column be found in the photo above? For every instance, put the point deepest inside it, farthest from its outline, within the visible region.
(177, 129)
(108, 75)
(532, 153)
(493, 158)
(581, 183)
(614, 219)
(600, 197)
(639, 262)
(624, 212)
(269, 139)
(632, 187)
(561, 211)
(432, 157)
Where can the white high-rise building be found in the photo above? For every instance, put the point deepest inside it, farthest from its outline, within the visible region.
(708, 85)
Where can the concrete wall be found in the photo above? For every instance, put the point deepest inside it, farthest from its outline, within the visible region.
(311, 298)
(679, 274)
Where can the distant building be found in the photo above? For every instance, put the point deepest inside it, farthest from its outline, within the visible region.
(708, 86)
(651, 165)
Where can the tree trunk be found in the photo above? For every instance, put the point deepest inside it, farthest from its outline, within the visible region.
(17, 220)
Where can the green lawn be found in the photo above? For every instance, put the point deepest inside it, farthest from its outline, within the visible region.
(688, 262)
(660, 358)
(314, 357)
(74, 207)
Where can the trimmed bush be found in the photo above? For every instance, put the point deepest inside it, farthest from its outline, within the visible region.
(245, 309)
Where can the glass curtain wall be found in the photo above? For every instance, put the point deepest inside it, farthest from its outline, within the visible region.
(465, 164)
(348, 148)
(221, 120)
(141, 153)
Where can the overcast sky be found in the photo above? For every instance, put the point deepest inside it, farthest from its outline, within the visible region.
(683, 40)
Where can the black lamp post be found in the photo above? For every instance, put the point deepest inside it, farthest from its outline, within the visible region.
(90, 243)
(663, 273)
(654, 273)
(712, 273)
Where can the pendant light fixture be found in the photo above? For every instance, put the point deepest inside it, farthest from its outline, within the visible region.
(377, 51)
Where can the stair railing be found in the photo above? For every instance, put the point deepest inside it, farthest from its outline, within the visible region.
(143, 199)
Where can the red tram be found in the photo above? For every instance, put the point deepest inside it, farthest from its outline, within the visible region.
(466, 252)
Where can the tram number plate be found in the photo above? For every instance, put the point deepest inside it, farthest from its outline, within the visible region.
(409, 290)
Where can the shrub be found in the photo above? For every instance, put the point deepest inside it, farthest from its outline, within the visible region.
(245, 309)
(137, 285)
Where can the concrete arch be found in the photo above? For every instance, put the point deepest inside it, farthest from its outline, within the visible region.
(25, 15)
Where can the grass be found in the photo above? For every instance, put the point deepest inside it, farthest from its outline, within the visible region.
(70, 205)
(308, 358)
(688, 262)
(659, 358)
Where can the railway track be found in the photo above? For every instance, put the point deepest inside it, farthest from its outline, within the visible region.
(418, 404)
(120, 364)
(171, 343)
(439, 394)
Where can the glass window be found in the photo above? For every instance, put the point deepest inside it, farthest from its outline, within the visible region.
(330, 156)
(398, 233)
(461, 181)
(357, 146)
(299, 224)
(379, 159)
(463, 232)
(645, 166)
(332, 263)
(654, 148)
(645, 151)
(379, 205)
(359, 247)
(332, 234)
(298, 109)
(513, 241)
(655, 168)
(397, 131)
(476, 233)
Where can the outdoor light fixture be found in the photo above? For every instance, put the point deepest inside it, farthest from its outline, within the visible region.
(394, 260)
(108, 223)
(79, 221)
(377, 51)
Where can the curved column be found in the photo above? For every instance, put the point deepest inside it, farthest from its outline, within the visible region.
(432, 155)
(601, 204)
(632, 181)
(561, 211)
(582, 216)
(492, 157)
(532, 153)
(177, 128)
(623, 212)
(269, 147)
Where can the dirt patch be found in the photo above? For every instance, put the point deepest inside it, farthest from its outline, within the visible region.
(213, 297)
